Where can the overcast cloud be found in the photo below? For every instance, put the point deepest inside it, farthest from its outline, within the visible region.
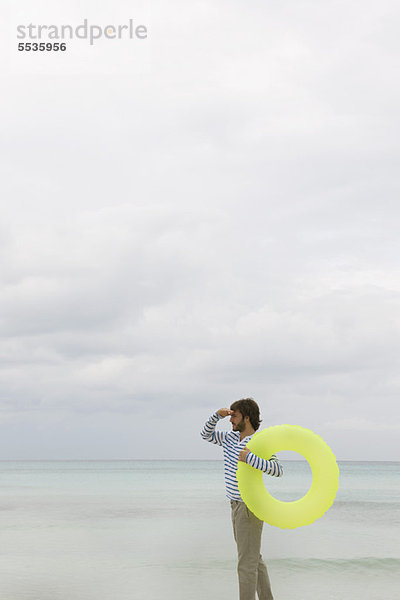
(208, 214)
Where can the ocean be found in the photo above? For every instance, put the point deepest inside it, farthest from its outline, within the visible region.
(161, 530)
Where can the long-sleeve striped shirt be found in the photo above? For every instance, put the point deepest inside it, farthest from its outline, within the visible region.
(231, 444)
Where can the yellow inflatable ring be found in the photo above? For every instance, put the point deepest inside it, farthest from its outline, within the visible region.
(325, 477)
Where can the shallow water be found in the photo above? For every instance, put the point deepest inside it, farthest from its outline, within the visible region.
(161, 529)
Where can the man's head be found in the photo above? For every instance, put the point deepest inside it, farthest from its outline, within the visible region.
(245, 412)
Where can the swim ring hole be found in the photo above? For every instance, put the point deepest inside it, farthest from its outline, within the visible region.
(295, 481)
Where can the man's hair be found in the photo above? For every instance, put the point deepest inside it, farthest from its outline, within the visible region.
(249, 408)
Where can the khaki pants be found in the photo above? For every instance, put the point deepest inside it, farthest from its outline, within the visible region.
(252, 572)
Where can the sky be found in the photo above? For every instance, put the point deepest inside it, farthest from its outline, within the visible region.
(206, 214)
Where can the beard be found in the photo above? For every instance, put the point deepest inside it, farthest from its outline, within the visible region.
(240, 426)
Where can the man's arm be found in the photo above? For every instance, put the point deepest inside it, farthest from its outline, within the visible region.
(271, 466)
(208, 432)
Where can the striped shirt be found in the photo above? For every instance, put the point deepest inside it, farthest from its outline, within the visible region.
(231, 444)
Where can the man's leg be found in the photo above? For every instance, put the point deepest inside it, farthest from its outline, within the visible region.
(252, 572)
(263, 583)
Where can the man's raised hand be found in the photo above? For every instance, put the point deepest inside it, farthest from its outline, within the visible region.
(224, 412)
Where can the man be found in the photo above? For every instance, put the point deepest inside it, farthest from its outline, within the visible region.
(247, 528)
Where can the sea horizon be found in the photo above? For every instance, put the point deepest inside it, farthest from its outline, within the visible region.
(171, 459)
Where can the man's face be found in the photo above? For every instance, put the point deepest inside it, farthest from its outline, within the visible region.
(238, 422)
